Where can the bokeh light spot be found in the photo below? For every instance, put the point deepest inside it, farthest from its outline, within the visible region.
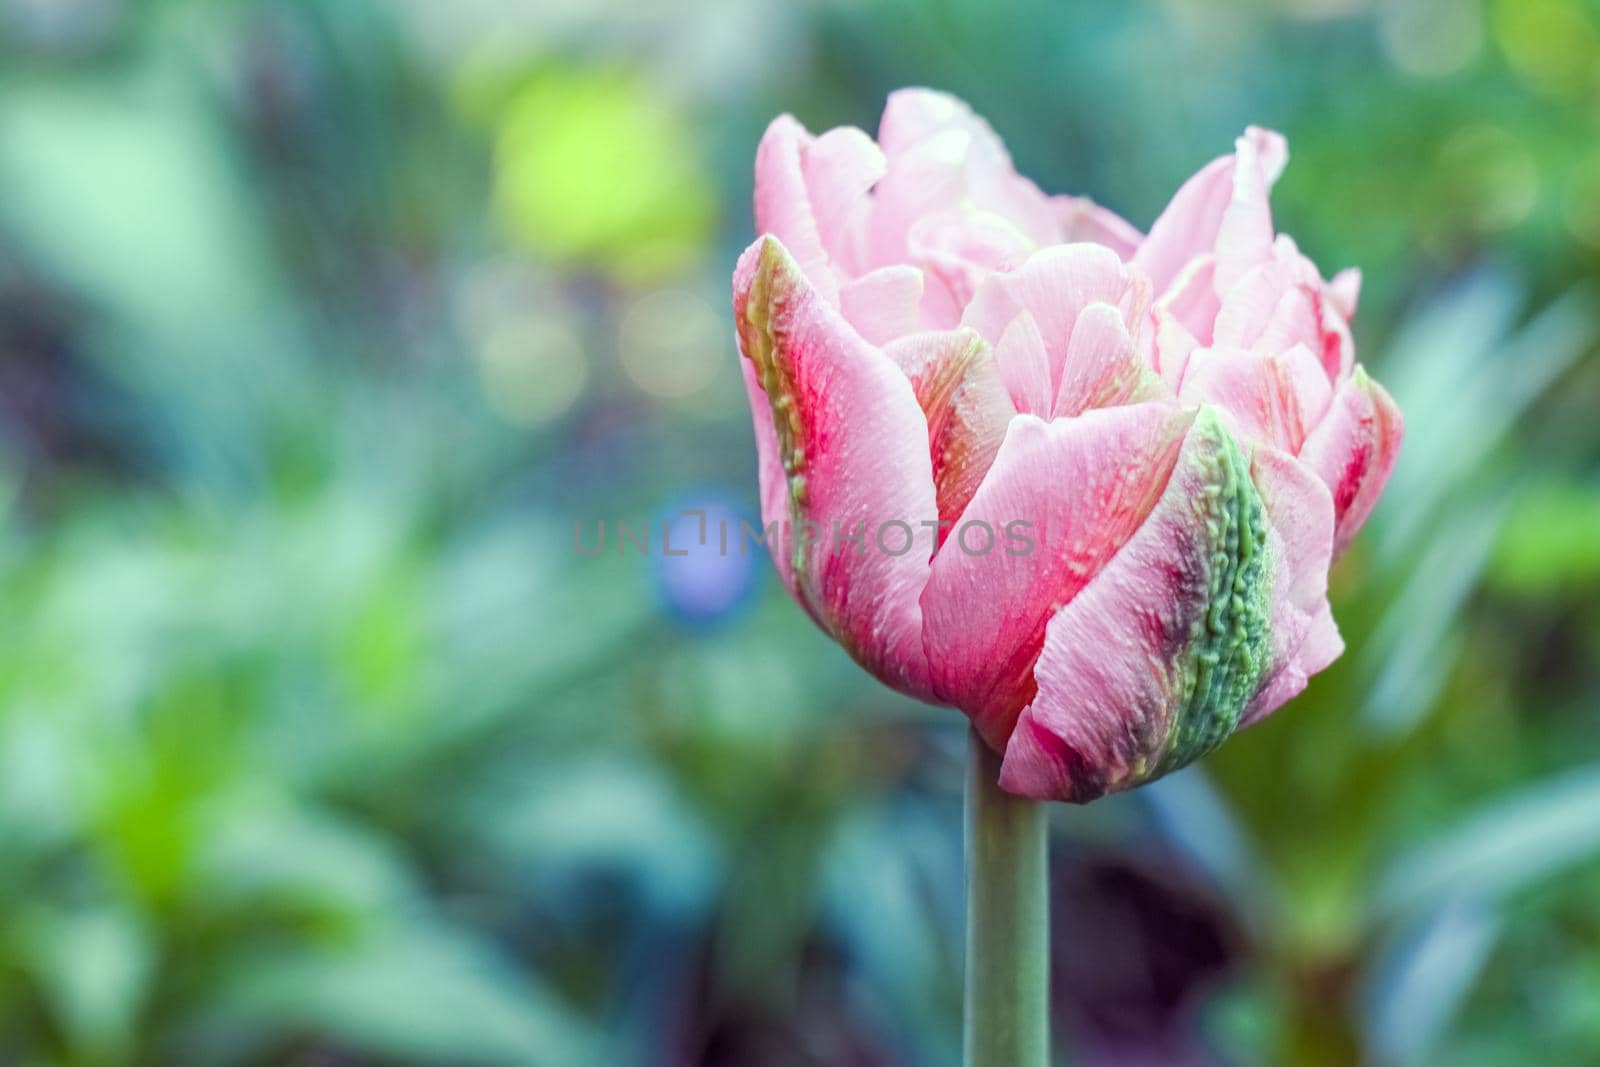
(597, 170)
(532, 371)
(1489, 177)
(1431, 38)
(715, 574)
(671, 343)
(1553, 44)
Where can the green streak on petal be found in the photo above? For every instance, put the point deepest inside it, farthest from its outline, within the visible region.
(777, 281)
(1229, 647)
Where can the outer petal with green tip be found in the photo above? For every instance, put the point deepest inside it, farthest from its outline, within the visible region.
(848, 443)
(1152, 665)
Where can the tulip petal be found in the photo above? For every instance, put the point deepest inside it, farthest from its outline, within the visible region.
(1173, 345)
(840, 169)
(960, 249)
(1192, 298)
(1102, 369)
(809, 190)
(941, 157)
(1344, 291)
(1244, 235)
(1054, 286)
(1353, 451)
(1282, 303)
(1271, 307)
(1082, 219)
(1300, 509)
(1304, 637)
(1152, 664)
(1269, 398)
(913, 118)
(1221, 211)
(884, 304)
(1338, 346)
(852, 442)
(774, 482)
(958, 385)
(1079, 488)
(1024, 365)
(1183, 318)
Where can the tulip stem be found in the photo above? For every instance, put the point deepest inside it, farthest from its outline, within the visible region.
(1007, 1020)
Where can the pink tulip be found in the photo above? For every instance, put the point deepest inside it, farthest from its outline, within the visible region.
(1166, 436)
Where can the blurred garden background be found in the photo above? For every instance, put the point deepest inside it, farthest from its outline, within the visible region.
(322, 323)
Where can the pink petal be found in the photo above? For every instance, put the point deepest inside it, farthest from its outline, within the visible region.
(922, 179)
(1188, 227)
(1173, 344)
(1300, 509)
(1244, 235)
(1192, 298)
(1344, 291)
(1054, 286)
(1282, 303)
(1081, 219)
(942, 157)
(1273, 399)
(1276, 306)
(1338, 346)
(852, 443)
(1184, 316)
(1024, 366)
(1304, 637)
(808, 190)
(1353, 451)
(963, 248)
(1221, 211)
(1102, 369)
(840, 167)
(1079, 488)
(914, 115)
(884, 304)
(958, 385)
(773, 482)
(1154, 661)
(1266, 296)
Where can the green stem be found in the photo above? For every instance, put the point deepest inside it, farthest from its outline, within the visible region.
(1008, 921)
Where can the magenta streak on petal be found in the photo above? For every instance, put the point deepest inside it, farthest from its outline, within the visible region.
(1353, 450)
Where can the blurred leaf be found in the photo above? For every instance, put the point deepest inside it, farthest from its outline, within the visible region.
(893, 887)
(1413, 648)
(1463, 376)
(1516, 841)
(418, 993)
(1424, 977)
(123, 187)
(95, 966)
(1199, 821)
(609, 814)
(272, 852)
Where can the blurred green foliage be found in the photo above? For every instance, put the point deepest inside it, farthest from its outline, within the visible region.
(320, 324)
